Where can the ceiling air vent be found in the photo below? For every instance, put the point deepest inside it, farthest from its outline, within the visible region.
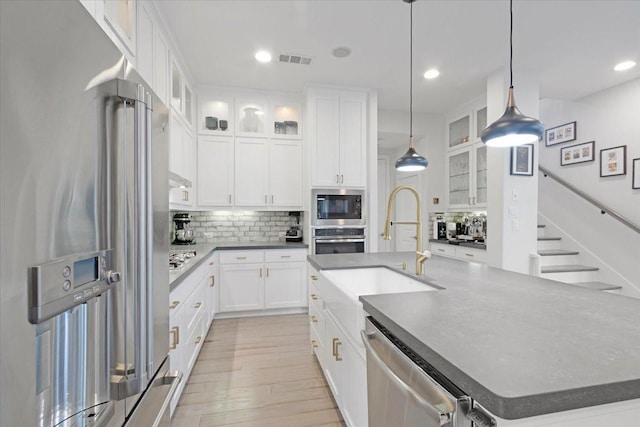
(295, 59)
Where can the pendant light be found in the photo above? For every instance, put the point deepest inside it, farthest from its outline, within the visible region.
(513, 128)
(411, 160)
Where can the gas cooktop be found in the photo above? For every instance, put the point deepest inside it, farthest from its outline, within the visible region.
(178, 258)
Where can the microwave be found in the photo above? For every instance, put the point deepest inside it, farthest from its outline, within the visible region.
(338, 207)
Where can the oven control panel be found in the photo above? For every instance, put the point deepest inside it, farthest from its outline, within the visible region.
(58, 285)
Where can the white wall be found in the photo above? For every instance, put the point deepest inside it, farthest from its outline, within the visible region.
(610, 118)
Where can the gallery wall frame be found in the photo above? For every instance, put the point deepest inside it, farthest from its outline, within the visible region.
(522, 160)
(613, 161)
(559, 134)
(579, 153)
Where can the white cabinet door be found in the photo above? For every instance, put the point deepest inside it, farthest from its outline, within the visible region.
(215, 171)
(241, 287)
(285, 285)
(144, 56)
(285, 174)
(176, 154)
(353, 133)
(176, 346)
(325, 129)
(333, 371)
(251, 177)
(161, 68)
(354, 396)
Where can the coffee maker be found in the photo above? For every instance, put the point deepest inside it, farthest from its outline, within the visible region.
(294, 233)
(183, 234)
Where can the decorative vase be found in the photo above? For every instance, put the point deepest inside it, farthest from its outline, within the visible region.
(251, 120)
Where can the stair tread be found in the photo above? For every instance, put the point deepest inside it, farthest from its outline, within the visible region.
(554, 252)
(567, 268)
(549, 238)
(600, 286)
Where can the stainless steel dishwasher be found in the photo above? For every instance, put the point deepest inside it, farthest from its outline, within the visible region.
(404, 390)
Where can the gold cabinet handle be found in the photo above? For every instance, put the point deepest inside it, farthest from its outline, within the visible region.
(211, 263)
(314, 319)
(198, 340)
(213, 281)
(314, 297)
(314, 344)
(175, 337)
(229, 198)
(260, 272)
(174, 304)
(285, 256)
(272, 202)
(441, 250)
(471, 255)
(241, 257)
(265, 199)
(314, 277)
(336, 350)
(198, 305)
(333, 350)
(267, 271)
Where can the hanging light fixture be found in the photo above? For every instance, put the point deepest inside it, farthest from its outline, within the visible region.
(411, 160)
(513, 128)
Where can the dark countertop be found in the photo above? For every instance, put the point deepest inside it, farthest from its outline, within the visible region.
(520, 345)
(466, 244)
(203, 250)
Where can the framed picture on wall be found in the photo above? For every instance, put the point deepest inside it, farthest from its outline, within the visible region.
(560, 134)
(578, 153)
(635, 183)
(613, 161)
(522, 160)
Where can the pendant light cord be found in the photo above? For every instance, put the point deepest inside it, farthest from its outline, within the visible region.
(511, 44)
(411, 72)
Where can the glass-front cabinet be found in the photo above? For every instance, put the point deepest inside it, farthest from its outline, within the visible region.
(467, 160)
(252, 117)
(285, 119)
(215, 115)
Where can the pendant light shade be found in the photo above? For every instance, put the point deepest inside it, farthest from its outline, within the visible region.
(411, 160)
(513, 128)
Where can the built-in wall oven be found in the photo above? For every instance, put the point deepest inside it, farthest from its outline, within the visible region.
(338, 207)
(338, 240)
(404, 390)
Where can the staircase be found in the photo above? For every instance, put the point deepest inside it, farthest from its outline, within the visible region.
(563, 265)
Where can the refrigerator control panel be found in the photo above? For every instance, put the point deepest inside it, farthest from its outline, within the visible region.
(61, 284)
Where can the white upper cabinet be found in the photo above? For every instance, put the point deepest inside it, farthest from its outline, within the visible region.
(161, 67)
(215, 171)
(285, 174)
(338, 135)
(177, 101)
(120, 16)
(145, 50)
(251, 172)
(252, 117)
(467, 160)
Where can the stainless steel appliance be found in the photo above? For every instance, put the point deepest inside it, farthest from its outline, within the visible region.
(294, 233)
(184, 235)
(338, 207)
(179, 258)
(404, 390)
(338, 240)
(84, 322)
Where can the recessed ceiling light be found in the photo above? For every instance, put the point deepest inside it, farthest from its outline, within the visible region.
(263, 56)
(625, 65)
(431, 74)
(341, 52)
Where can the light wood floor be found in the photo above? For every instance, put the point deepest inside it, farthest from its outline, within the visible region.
(257, 371)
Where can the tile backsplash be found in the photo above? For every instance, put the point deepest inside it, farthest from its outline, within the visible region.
(240, 226)
(450, 217)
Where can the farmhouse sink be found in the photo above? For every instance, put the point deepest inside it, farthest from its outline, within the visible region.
(343, 287)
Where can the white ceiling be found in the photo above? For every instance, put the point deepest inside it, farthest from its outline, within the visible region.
(572, 44)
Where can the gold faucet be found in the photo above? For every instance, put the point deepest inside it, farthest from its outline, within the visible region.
(420, 256)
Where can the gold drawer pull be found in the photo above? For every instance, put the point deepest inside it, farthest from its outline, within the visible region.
(198, 340)
(314, 277)
(314, 319)
(314, 297)
(441, 250)
(174, 304)
(211, 263)
(241, 257)
(213, 281)
(198, 305)
(285, 256)
(314, 344)
(471, 255)
(175, 337)
(336, 350)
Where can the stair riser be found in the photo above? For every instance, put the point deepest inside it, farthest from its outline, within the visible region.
(549, 244)
(572, 276)
(559, 260)
(541, 232)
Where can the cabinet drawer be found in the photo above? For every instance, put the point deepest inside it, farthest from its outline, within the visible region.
(241, 257)
(471, 254)
(285, 255)
(443, 250)
(316, 319)
(194, 306)
(315, 299)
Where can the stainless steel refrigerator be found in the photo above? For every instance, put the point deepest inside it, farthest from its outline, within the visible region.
(84, 320)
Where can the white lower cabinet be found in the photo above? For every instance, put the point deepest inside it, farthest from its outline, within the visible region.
(191, 308)
(458, 252)
(262, 279)
(343, 361)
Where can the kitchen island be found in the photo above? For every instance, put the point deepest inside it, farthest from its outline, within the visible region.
(520, 346)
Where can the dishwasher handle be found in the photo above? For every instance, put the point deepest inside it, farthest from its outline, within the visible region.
(445, 418)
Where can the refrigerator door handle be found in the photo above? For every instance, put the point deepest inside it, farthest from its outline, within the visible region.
(153, 409)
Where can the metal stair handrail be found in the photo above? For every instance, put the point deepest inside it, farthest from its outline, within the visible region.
(603, 209)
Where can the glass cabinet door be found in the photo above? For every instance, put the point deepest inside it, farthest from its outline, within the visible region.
(176, 87)
(459, 178)
(459, 131)
(481, 122)
(481, 174)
